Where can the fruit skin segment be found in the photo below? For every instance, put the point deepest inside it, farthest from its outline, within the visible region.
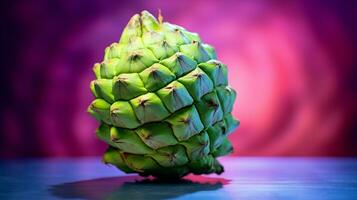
(163, 101)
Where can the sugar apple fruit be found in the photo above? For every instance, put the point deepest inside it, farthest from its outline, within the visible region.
(163, 101)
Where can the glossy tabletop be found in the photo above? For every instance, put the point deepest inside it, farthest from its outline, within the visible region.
(244, 178)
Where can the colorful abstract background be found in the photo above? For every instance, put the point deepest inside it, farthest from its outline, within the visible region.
(293, 63)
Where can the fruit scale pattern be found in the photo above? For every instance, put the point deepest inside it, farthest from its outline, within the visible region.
(163, 101)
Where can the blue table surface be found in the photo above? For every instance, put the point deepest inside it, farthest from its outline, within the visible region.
(244, 178)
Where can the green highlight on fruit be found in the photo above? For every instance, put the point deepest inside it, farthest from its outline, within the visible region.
(163, 101)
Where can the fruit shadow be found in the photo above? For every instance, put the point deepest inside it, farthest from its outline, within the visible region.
(136, 187)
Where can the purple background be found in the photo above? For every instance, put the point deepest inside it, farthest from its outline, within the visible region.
(293, 64)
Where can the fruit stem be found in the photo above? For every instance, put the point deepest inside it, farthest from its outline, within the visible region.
(160, 18)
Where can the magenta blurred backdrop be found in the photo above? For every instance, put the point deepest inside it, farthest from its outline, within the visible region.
(293, 64)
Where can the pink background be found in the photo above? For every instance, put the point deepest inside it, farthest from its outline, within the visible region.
(293, 64)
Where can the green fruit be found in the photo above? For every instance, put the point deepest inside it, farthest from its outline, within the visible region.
(163, 101)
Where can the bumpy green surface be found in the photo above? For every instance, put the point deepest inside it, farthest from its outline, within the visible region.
(163, 101)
